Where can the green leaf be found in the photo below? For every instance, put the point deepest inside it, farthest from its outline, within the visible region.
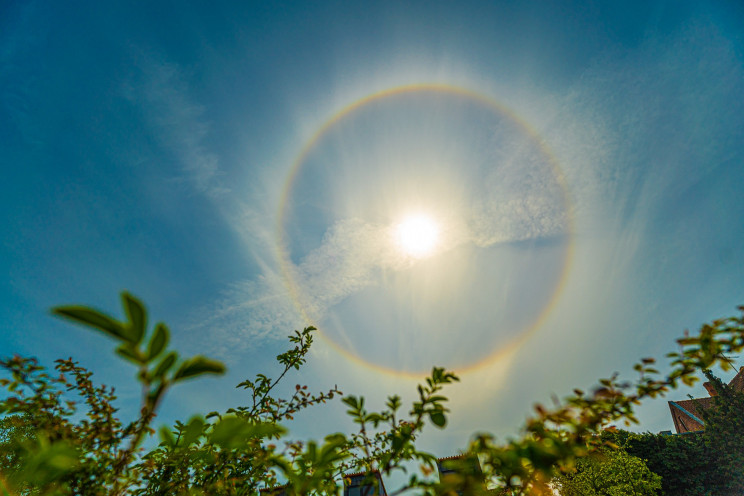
(44, 461)
(193, 431)
(92, 318)
(167, 437)
(129, 352)
(137, 316)
(165, 364)
(438, 419)
(266, 429)
(158, 341)
(235, 432)
(393, 402)
(198, 365)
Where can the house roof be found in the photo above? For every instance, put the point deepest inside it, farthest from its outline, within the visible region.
(458, 463)
(357, 474)
(453, 457)
(687, 414)
(738, 381)
(356, 478)
(276, 490)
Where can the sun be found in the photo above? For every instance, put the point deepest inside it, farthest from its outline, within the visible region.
(417, 235)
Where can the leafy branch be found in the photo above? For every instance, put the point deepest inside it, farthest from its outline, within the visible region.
(48, 447)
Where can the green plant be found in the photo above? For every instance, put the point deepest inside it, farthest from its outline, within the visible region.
(686, 466)
(610, 472)
(49, 447)
(556, 437)
(724, 435)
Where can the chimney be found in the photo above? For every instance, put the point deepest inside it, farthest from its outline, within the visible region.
(711, 390)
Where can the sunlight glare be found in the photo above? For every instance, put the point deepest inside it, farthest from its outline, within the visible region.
(417, 235)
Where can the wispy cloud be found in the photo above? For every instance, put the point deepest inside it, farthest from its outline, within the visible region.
(352, 256)
(627, 149)
(162, 92)
(248, 314)
(517, 198)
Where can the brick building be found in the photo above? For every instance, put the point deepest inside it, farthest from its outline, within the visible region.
(461, 473)
(364, 484)
(370, 484)
(687, 414)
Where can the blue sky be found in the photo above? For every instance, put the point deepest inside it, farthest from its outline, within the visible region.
(242, 167)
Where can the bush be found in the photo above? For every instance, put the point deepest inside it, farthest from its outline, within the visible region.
(50, 445)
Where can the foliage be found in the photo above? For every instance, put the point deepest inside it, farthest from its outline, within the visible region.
(97, 454)
(52, 447)
(724, 435)
(694, 464)
(686, 465)
(556, 437)
(48, 449)
(610, 472)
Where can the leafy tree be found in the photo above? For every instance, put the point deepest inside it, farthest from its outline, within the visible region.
(686, 465)
(60, 448)
(93, 455)
(15, 430)
(555, 437)
(609, 472)
(724, 435)
(694, 464)
(56, 451)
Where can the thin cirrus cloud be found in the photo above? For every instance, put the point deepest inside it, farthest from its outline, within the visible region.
(354, 253)
(162, 93)
(494, 187)
(617, 181)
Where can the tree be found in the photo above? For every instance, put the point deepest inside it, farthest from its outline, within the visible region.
(67, 451)
(686, 465)
(554, 438)
(702, 463)
(609, 472)
(15, 430)
(67, 445)
(724, 434)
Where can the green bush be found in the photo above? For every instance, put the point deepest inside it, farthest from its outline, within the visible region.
(54, 444)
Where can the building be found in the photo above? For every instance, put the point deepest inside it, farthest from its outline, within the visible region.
(274, 491)
(687, 414)
(458, 464)
(461, 472)
(364, 484)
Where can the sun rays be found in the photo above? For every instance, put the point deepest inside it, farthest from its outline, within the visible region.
(417, 235)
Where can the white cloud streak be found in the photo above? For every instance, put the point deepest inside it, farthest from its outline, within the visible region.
(163, 94)
(605, 138)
